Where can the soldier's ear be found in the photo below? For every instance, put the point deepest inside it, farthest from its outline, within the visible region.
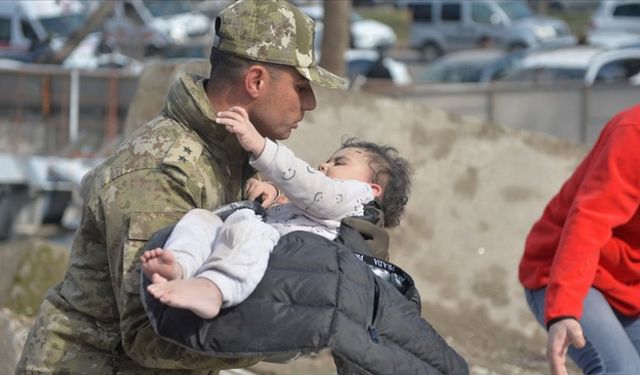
(255, 80)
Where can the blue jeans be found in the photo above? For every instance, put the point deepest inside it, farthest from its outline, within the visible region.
(613, 340)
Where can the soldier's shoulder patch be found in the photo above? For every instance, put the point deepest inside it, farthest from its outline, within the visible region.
(184, 153)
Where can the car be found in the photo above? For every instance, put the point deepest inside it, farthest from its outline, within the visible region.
(441, 26)
(366, 63)
(140, 28)
(30, 28)
(566, 5)
(365, 33)
(618, 15)
(591, 65)
(613, 38)
(470, 66)
(178, 20)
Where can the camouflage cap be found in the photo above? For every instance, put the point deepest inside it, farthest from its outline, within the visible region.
(272, 31)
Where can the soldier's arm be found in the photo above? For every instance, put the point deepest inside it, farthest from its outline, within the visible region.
(130, 209)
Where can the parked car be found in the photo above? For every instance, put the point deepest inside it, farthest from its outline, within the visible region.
(441, 26)
(567, 5)
(178, 20)
(589, 64)
(618, 15)
(365, 33)
(366, 63)
(613, 38)
(470, 66)
(30, 28)
(139, 28)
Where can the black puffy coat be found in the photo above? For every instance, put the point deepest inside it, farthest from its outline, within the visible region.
(314, 295)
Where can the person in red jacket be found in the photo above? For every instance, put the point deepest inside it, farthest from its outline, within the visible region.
(581, 263)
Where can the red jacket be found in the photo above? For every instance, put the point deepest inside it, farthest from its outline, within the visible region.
(589, 233)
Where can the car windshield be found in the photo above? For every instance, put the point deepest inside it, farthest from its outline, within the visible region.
(546, 74)
(467, 72)
(161, 8)
(62, 26)
(515, 9)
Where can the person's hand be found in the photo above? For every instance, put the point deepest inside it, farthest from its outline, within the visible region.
(265, 190)
(236, 121)
(563, 333)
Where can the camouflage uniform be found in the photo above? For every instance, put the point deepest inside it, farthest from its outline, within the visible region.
(93, 322)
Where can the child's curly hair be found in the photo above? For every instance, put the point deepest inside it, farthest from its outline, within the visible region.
(391, 172)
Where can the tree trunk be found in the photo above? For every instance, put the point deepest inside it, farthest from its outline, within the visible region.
(542, 6)
(336, 35)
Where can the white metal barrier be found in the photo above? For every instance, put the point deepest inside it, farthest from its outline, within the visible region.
(566, 110)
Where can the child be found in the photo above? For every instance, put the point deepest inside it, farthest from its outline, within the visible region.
(233, 255)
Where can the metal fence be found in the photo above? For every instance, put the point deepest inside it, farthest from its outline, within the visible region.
(52, 110)
(566, 110)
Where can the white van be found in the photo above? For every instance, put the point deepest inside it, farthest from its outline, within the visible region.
(440, 26)
(27, 27)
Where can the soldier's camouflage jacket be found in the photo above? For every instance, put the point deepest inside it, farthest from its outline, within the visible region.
(93, 321)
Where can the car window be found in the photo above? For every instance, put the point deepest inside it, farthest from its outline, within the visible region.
(546, 74)
(481, 13)
(502, 67)
(463, 74)
(28, 31)
(444, 71)
(515, 9)
(619, 70)
(450, 12)
(160, 8)
(627, 10)
(5, 29)
(63, 25)
(421, 12)
(358, 67)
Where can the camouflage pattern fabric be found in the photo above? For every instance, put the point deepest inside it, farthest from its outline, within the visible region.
(272, 31)
(93, 322)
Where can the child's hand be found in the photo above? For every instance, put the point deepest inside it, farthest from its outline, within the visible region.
(236, 121)
(265, 190)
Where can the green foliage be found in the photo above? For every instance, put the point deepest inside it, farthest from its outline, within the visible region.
(43, 266)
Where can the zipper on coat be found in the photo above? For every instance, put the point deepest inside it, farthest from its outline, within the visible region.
(375, 336)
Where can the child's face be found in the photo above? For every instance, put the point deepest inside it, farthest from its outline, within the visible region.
(348, 164)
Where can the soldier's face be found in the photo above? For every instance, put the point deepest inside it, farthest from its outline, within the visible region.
(281, 107)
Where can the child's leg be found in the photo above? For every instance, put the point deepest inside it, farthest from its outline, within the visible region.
(241, 255)
(231, 273)
(161, 262)
(192, 239)
(199, 295)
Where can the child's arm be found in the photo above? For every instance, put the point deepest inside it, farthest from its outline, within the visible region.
(303, 185)
(310, 189)
(266, 191)
(236, 121)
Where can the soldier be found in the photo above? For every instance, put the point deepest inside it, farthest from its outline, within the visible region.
(93, 321)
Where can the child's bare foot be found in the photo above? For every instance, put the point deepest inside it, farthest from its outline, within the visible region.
(161, 262)
(198, 295)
